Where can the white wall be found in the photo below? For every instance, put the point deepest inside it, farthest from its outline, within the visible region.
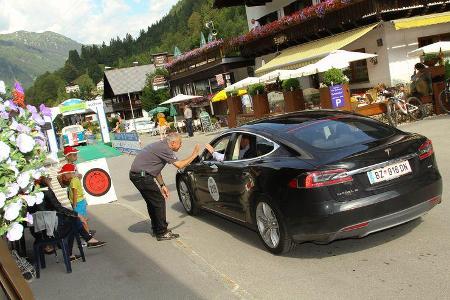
(377, 73)
(256, 12)
(400, 42)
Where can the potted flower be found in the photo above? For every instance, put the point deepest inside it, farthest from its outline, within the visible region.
(293, 95)
(335, 91)
(260, 100)
(430, 59)
(22, 157)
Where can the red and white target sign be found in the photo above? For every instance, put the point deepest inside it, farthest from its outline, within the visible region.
(97, 184)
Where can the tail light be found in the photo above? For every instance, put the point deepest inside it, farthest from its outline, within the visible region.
(322, 178)
(426, 150)
(325, 178)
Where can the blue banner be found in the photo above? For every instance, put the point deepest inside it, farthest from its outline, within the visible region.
(127, 142)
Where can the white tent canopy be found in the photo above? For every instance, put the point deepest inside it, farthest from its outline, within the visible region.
(180, 98)
(433, 48)
(244, 83)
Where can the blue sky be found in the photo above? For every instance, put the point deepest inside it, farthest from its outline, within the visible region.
(86, 21)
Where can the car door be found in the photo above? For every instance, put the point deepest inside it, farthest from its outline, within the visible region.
(239, 174)
(208, 173)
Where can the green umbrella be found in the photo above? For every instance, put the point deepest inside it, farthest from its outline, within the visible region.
(172, 111)
(158, 110)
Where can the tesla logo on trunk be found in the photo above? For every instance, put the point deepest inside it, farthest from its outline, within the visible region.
(388, 151)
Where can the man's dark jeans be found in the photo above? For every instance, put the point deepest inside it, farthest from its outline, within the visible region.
(189, 128)
(156, 204)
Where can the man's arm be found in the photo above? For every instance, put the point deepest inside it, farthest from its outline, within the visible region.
(216, 155)
(180, 164)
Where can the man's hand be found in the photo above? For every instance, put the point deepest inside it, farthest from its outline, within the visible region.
(165, 192)
(209, 148)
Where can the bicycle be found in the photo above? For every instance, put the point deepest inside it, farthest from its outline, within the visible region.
(444, 97)
(397, 106)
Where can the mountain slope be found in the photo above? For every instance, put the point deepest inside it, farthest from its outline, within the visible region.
(25, 55)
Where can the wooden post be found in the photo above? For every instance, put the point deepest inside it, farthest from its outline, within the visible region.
(326, 99)
(293, 101)
(11, 278)
(260, 105)
(234, 108)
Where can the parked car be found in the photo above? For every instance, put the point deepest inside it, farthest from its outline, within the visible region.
(314, 176)
(74, 135)
(142, 125)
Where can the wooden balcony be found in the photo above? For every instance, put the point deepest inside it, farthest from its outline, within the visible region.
(360, 13)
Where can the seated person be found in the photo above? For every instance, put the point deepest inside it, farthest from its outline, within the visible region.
(421, 83)
(244, 148)
(51, 203)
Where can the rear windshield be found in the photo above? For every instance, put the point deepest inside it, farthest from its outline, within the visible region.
(330, 134)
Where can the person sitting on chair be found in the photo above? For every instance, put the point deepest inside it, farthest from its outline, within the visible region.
(51, 203)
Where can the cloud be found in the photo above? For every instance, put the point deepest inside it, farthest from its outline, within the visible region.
(86, 21)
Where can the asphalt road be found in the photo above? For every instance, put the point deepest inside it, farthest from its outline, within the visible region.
(217, 259)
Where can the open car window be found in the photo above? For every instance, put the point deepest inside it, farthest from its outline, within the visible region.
(250, 146)
(219, 145)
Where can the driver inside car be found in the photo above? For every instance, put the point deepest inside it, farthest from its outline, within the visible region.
(244, 146)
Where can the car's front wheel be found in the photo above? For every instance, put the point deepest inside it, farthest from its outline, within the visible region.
(271, 228)
(186, 198)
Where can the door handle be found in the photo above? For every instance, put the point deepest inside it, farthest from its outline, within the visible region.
(214, 167)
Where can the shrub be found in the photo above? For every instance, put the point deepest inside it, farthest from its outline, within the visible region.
(291, 84)
(232, 93)
(430, 57)
(256, 89)
(334, 77)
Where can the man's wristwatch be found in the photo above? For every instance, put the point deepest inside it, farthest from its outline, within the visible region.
(162, 184)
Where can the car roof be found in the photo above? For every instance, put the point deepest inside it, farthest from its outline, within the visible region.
(277, 128)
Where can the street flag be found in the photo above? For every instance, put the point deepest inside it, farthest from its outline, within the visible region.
(202, 39)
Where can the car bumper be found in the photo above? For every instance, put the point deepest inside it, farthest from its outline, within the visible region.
(365, 216)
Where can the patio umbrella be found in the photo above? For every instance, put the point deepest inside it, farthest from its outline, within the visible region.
(181, 98)
(244, 83)
(158, 110)
(272, 76)
(172, 110)
(340, 59)
(433, 48)
(222, 95)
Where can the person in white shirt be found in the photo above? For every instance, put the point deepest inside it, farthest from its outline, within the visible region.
(244, 146)
(255, 24)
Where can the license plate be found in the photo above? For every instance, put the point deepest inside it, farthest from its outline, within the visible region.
(389, 172)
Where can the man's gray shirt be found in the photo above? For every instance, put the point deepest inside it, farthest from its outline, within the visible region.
(153, 158)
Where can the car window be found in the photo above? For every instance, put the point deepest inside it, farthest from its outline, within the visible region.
(249, 146)
(334, 134)
(219, 145)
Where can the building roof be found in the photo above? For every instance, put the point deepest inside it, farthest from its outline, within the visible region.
(228, 3)
(127, 80)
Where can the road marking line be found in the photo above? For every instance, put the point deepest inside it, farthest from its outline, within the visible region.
(233, 285)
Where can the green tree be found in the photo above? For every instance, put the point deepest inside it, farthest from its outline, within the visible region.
(45, 90)
(86, 87)
(151, 98)
(95, 72)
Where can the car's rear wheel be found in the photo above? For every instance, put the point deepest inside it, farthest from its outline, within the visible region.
(271, 228)
(186, 198)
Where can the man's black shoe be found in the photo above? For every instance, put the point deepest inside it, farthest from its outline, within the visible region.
(169, 235)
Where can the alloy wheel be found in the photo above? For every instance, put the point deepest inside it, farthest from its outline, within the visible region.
(268, 225)
(185, 196)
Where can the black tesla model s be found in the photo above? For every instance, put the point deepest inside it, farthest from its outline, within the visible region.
(314, 176)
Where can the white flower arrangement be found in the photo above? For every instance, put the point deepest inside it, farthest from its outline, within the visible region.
(22, 157)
